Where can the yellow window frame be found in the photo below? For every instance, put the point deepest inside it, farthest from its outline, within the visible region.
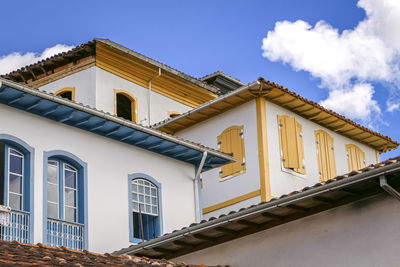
(325, 155)
(133, 100)
(231, 141)
(291, 144)
(66, 89)
(355, 157)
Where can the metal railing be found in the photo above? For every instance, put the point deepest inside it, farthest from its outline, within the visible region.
(16, 227)
(61, 233)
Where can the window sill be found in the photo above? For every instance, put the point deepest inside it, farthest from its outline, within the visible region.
(231, 176)
(292, 172)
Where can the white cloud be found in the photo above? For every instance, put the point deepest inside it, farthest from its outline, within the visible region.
(17, 60)
(346, 63)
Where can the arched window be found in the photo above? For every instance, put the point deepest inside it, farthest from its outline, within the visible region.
(125, 105)
(16, 189)
(145, 207)
(65, 207)
(68, 93)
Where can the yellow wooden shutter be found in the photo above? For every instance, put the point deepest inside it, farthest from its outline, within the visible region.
(300, 149)
(231, 141)
(355, 157)
(291, 143)
(326, 155)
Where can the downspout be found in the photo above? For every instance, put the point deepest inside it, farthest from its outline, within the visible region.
(196, 187)
(149, 95)
(390, 190)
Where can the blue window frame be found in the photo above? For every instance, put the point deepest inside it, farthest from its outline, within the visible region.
(65, 200)
(145, 213)
(16, 188)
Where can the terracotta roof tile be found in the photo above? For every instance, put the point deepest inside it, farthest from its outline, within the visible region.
(15, 253)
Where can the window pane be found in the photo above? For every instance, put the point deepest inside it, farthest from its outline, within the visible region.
(147, 199)
(154, 210)
(153, 192)
(70, 179)
(52, 210)
(16, 164)
(135, 206)
(15, 184)
(134, 197)
(140, 189)
(147, 191)
(52, 193)
(70, 197)
(52, 172)
(154, 201)
(141, 198)
(134, 188)
(70, 214)
(15, 201)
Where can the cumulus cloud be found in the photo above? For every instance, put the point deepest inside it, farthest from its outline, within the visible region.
(17, 60)
(347, 62)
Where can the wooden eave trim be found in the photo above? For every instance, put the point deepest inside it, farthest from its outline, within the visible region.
(51, 77)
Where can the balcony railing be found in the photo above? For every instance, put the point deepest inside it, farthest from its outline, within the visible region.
(61, 233)
(16, 227)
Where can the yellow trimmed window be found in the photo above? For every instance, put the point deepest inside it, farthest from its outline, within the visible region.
(355, 157)
(125, 105)
(291, 144)
(326, 155)
(67, 92)
(231, 141)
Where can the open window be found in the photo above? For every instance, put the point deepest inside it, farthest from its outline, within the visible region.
(231, 141)
(65, 204)
(16, 189)
(291, 144)
(145, 207)
(125, 105)
(355, 157)
(326, 155)
(68, 93)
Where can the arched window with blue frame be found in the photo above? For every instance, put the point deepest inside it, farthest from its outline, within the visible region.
(145, 211)
(65, 207)
(16, 189)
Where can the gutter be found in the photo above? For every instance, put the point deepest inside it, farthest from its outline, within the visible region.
(196, 188)
(390, 190)
(287, 200)
(209, 103)
(114, 119)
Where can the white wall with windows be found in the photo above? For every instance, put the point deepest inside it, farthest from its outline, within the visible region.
(215, 189)
(95, 87)
(63, 154)
(284, 180)
(106, 82)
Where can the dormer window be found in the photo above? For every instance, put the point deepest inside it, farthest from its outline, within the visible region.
(68, 93)
(125, 105)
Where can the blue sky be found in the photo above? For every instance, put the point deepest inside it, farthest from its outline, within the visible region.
(200, 37)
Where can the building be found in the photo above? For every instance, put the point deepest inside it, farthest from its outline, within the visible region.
(283, 142)
(95, 152)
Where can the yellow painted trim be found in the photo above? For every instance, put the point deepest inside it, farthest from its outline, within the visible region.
(265, 184)
(140, 72)
(378, 156)
(231, 201)
(66, 89)
(133, 103)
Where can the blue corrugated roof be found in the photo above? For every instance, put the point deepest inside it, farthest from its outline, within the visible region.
(98, 122)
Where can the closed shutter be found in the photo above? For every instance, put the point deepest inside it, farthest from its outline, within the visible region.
(291, 143)
(326, 155)
(231, 141)
(355, 157)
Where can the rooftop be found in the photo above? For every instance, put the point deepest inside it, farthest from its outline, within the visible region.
(282, 96)
(19, 254)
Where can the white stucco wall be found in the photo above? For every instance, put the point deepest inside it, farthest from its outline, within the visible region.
(364, 233)
(83, 82)
(216, 190)
(95, 87)
(106, 82)
(109, 163)
(284, 182)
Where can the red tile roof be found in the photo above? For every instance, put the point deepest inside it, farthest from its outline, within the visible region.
(15, 253)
